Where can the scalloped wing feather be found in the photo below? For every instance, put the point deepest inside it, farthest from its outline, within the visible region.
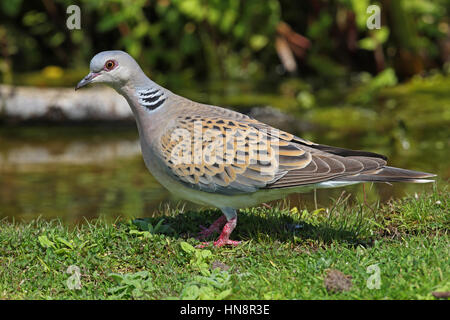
(230, 153)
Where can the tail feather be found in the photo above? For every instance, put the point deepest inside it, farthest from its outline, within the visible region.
(390, 174)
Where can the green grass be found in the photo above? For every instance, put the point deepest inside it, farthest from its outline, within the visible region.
(285, 254)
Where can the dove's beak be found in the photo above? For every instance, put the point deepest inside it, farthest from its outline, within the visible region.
(86, 80)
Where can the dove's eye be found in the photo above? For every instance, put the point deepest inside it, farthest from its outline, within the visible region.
(110, 64)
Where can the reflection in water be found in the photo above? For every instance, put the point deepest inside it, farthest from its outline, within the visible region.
(28, 156)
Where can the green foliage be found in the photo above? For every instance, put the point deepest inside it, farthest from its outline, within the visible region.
(215, 286)
(146, 229)
(172, 37)
(359, 8)
(210, 285)
(131, 286)
(375, 39)
(200, 258)
(60, 246)
(45, 242)
(180, 40)
(366, 93)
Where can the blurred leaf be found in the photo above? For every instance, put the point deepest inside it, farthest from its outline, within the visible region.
(381, 35)
(360, 7)
(32, 18)
(306, 99)
(326, 66)
(319, 28)
(368, 43)
(57, 39)
(52, 72)
(11, 7)
(386, 78)
(258, 41)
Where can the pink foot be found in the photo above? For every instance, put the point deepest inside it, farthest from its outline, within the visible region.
(215, 227)
(221, 242)
(224, 238)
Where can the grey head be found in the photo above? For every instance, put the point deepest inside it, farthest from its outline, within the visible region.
(114, 68)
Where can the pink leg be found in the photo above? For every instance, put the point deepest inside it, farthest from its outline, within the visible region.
(215, 227)
(224, 237)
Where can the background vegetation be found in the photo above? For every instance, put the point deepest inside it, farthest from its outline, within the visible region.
(179, 40)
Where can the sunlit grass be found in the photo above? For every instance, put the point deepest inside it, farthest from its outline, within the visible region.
(286, 253)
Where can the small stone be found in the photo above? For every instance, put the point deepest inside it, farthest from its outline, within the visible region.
(441, 295)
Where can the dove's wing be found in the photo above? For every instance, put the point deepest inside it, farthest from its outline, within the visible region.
(227, 152)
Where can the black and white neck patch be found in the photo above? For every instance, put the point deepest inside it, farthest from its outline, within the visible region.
(151, 98)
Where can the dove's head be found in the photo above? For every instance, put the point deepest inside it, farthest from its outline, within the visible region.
(114, 68)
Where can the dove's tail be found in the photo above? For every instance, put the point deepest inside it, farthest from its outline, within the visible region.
(390, 174)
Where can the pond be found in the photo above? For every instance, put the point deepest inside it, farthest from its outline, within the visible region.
(77, 172)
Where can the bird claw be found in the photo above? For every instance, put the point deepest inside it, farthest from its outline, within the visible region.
(215, 227)
(219, 243)
(203, 245)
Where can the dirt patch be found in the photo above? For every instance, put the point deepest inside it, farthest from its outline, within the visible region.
(336, 281)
